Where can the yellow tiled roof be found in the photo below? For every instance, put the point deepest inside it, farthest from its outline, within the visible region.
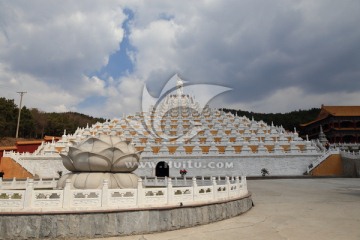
(338, 111)
(29, 142)
(343, 111)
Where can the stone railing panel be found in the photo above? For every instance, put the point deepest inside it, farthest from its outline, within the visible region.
(47, 198)
(12, 199)
(155, 195)
(123, 197)
(183, 194)
(86, 198)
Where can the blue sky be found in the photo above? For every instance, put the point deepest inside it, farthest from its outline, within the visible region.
(119, 62)
(95, 57)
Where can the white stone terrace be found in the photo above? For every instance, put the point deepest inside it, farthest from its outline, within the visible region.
(67, 199)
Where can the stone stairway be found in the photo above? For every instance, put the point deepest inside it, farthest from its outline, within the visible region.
(321, 159)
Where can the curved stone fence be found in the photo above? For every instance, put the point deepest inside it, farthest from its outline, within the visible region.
(97, 224)
(50, 183)
(67, 199)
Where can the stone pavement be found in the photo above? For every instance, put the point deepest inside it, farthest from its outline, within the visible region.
(325, 208)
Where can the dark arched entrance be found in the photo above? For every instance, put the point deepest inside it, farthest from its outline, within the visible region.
(162, 169)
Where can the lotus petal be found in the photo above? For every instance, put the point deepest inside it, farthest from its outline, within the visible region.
(68, 164)
(126, 163)
(96, 154)
(81, 162)
(100, 145)
(126, 180)
(73, 151)
(98, 162)
(95, 180)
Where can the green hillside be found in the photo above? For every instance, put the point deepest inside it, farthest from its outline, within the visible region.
(36, 124)
(287, 120)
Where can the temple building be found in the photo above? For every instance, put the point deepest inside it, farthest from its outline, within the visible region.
(340, 124)
(178, 133)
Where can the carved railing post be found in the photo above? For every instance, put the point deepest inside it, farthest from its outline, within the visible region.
(169, 189)
(214, 188)
(105, 193)
(227, 182)
(28, 194)
(140, 192)
(244, 184)
(237, 182)
(13, 182)
(67, 194)
(194, 185)
(146, 181)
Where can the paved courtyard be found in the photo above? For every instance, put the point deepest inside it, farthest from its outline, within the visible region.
(286, 209)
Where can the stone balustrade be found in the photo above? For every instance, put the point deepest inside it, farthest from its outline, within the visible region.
(351, 155)
(59, 200)
(16, 184)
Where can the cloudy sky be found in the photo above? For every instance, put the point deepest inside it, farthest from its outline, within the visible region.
(94, 57)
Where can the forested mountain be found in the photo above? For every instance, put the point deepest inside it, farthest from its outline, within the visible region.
(287, 120)
(36, 124)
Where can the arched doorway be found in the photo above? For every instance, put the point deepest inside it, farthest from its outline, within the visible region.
(162, 169)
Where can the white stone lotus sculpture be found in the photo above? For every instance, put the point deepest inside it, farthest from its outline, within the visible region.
(101, 158)
(104, 153)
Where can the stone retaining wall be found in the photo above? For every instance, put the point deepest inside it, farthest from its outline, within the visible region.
(117, 223)
(351, 166)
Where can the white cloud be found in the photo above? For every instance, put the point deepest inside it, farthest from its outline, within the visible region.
(255, 47)
(50, 49)
(305, 52)
(295, 98)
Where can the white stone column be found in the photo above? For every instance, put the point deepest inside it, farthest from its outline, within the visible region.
(28, 194)
(244, 184)
(237, 181)
(67, 194)
(169, 191)
(105, 193)
(214, 188)
(13, 183)
(140, 193)
(194, 185)
(227, 182)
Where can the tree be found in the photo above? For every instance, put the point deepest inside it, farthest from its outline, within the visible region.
(8, 113)
(40, 121)
(27, 126)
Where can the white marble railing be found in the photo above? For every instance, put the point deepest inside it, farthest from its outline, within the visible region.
(14, 184)
(322, 158)
(17, 184)
(43, 165)
(180, 181)
(232, 154)
(34, 200)
(352, 155)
